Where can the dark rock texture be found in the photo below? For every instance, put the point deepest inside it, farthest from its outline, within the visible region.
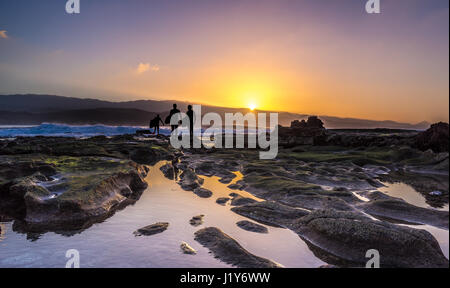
(435, 138)
(400, 210)
(346, 237)
(168, 171)
(152, 229)
(270, 213)
(196, 220)
(229, 251)
(202, 192)
(239, 200)
(189, 181)
(252, 227)
(222, 200)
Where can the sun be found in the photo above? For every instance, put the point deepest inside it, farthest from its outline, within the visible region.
(252, 107)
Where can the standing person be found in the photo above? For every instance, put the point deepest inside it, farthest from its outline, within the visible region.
(154, 123)
(174, 111)
(190, 114)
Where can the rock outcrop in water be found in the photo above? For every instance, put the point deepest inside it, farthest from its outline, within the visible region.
(229, 251)
(67, 184)
(343, 238)
(152, 229)
(60, 191)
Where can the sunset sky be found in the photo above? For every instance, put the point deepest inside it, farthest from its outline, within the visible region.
(316, 57)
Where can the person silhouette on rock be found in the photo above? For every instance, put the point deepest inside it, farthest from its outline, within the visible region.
(154, 123)
(190, 114)
(174, 111)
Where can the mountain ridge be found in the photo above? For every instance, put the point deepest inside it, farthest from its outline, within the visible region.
(20, 108)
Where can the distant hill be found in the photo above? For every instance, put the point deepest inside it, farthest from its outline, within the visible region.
(36, 109)
(106, 116)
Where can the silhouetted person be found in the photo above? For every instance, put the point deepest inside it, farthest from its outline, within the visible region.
(190, 114)
(154, 123)
(173, 112)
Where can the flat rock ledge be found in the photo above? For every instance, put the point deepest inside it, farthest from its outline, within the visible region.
(67, 192)
(229, 251)
(343, 238)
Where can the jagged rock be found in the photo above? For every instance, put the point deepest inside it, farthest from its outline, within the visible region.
(152, 229)
(189, 181)
(229, 251)
(435, 138)
(168, 171)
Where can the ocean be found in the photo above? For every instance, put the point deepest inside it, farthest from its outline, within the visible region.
(70, 130)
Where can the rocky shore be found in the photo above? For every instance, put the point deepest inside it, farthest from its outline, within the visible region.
(324, 186)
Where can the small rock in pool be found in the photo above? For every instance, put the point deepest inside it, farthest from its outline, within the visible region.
(203, 193)
(152, 229)
(252, 227)
(197, 220)
(225, 180)
(187, 249)
(222, 200)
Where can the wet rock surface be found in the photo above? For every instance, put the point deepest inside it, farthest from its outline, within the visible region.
(344, 238)
(396, 209)
(252, 227)
(67, 184)
(197, 220)
(239, 200)
(168, 171)
(186, 249)
(152, 229)
(222, 200)
(64, 190)
(270, 213)
(202, 192)
(229, 251)
(323, 186)
(189, 181)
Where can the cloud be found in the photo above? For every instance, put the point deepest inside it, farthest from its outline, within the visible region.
(145, 67)
(3, 34)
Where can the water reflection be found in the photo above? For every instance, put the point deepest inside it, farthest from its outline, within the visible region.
(112, 243)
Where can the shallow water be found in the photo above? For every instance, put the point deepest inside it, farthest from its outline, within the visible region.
(112, 243)
(409, 194)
